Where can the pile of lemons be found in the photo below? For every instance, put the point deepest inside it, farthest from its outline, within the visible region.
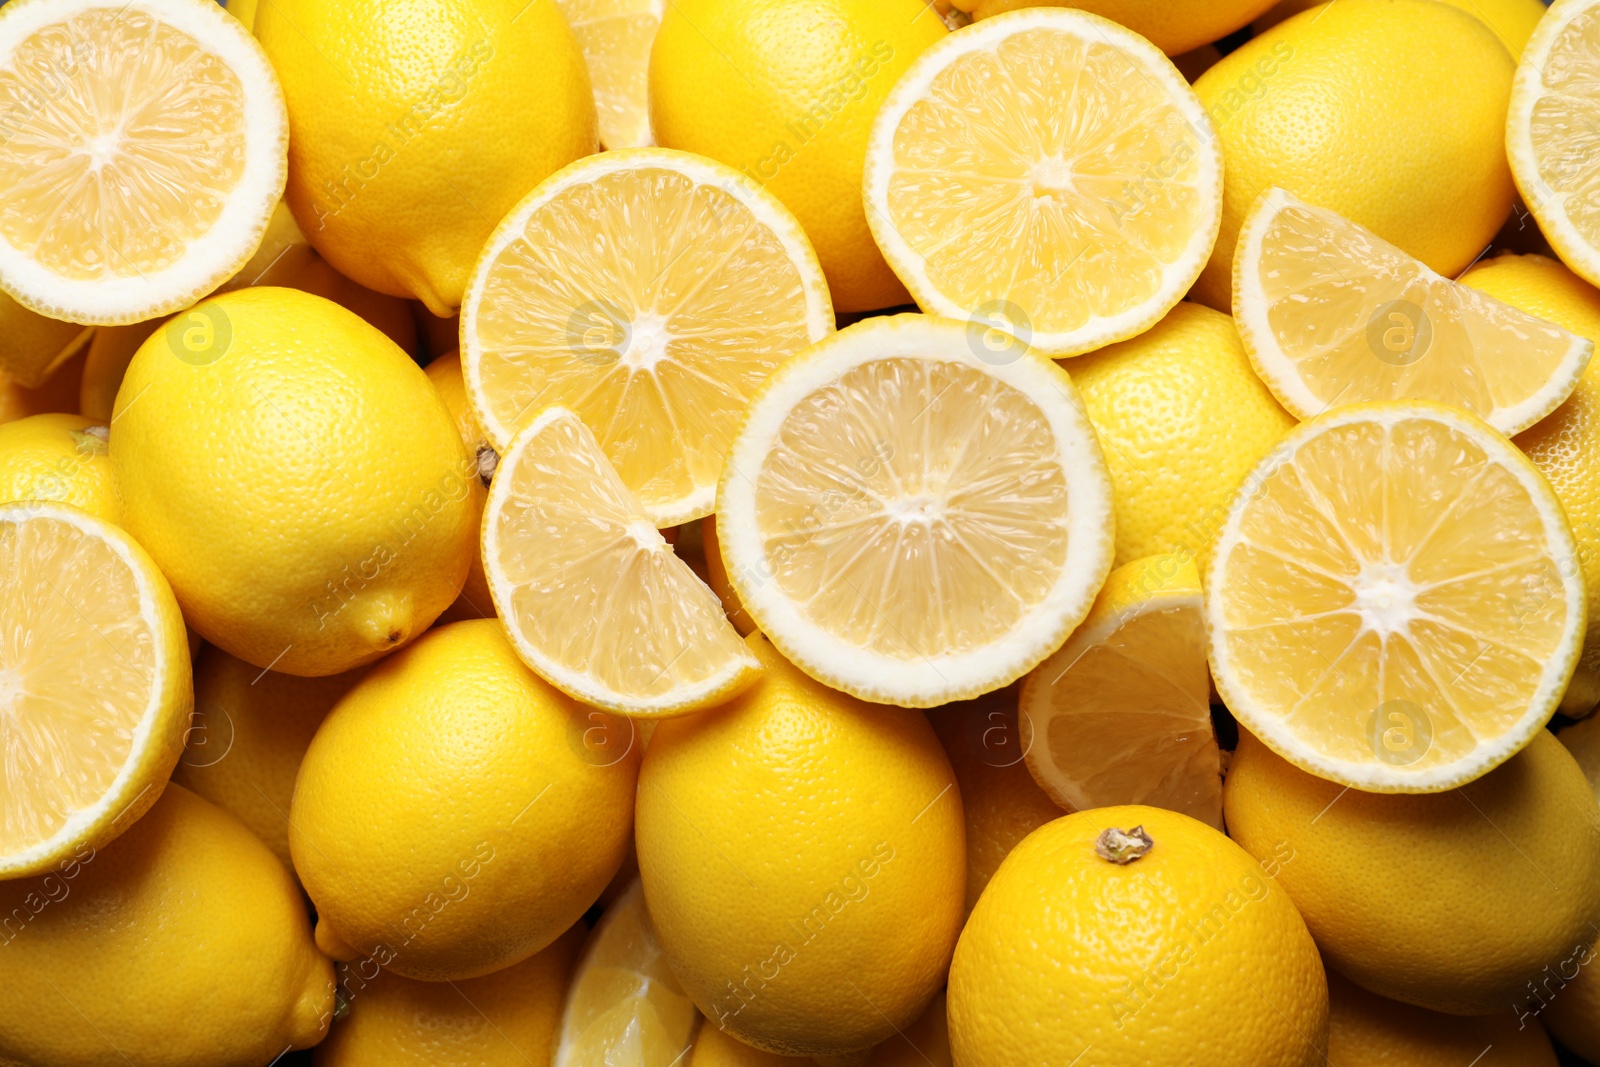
(698, 533)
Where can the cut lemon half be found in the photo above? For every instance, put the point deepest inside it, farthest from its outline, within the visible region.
(593, 597)
(651, 292)
(616, 36)
(1332, 314)
(144, 147)
(913, 517)
(624, 1007)
(95, 686)
(1396, 601)
(1121, 714)
(1047, 172)
(1553, 131)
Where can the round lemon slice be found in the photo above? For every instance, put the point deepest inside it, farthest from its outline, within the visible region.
(913, 516)
(95, 686)
(650, 292)
(143, 146)
(1047, 172)
(1396, 601)
(1332, 314)
(1553, 131)
(616, 36)
(593, 597)
(1121, 713)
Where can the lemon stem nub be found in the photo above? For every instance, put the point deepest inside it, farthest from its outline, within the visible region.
(488, 461)
(1122, 847)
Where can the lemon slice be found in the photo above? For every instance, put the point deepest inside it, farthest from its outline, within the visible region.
(1332, 314)
(95, 687)
(1121, 713)
(624, 1008)
(913, 522)
(1395, 601)
(1047, 172)
(1553, 131)
(651, 292)
(145, 145)
(616, 36)
(593, 597)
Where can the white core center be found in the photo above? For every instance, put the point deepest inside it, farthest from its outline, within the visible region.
(647, 342)
(10, 690)
(1385, 597)
(922, 508)
(646, 536)
(1050, 178)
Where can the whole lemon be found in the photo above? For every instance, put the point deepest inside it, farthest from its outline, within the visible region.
(58, 457)
(1451, 901)
(786, 91)
(1511, 20)
(715, 1048)
(183, 943)
(1565, 995)
(1390, 112)
(925, 1043)
(1182, 419)
(1565, 444)
(297, 479)
(250, 730)
(415, 125)
(451, 816)
(803, 860)
(1144, 935)
(505, 1019)
(1174, 26)
(1366, 1029)
(475, 601)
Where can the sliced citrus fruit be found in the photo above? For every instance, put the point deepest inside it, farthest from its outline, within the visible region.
(1333, 314)
(1395, 602)
(1048, 172)
(593, 597)
(1121, 714)
(913, 516)
(1553, 131)
(95, 687)
(616, 36)
(624, 1006)
(651, 292)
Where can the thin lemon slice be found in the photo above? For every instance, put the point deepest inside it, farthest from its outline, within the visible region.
(1121, 713)
(593, 597)
(913, 517)
(1553, 131)
(624, 1008)
(1395, 602)
(1048, 172)
(1332, 314)
(651, 292)
(95, 687)
(143, 147)
(616, 36)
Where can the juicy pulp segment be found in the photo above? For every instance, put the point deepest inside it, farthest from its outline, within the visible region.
(615, 36)
(1564, 125)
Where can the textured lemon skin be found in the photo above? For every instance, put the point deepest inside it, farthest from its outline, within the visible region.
(251, 729)
(1365, 1029)
(714, 1048)
(1182, 418)
(49, 457)
(1390, 112)
(305, 491)
(1189, 954)
(414, 126)
(1450, 901)
(804, 862)
(786, 91)
(449, 819)
(1564, 445)
(1174, 26)
(475, 600)
(184, 943)
(1511, 20)
(925, 1043)
(505, 1019)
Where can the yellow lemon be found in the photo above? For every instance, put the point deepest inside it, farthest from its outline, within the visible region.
(1318, 104)
(821, 918)
(1565, 995)
(35, 345)
(1564, 445)
(452, 815)
(387, 107)
(504, 1019)
(250, 730)
(58, 394)
(184, 943)
(1511, 20)
(925, 1043)
(1365, 1029)
(716, 1048)
(616, 36)
(1181, 418)
(717, 578)
(445, 374)
(1400, 890)
(786, 91)
(58, 457)
(297, 477)
(1144, 936)
(1173, 26)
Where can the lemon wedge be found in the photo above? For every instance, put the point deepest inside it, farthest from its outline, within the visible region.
(615, 36)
